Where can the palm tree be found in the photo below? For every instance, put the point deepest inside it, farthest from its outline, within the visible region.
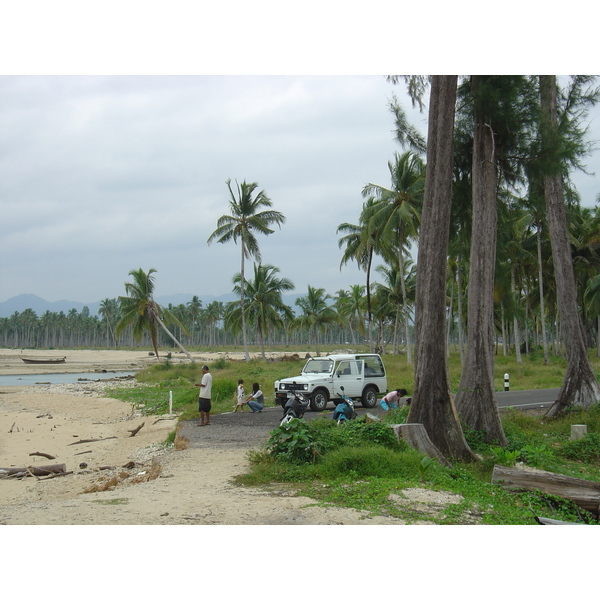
(109, 310)
(140, 311)
(316, 313)
(360, 242)
(396, 214)
(266, 308)
(194, 309)
(241, 224)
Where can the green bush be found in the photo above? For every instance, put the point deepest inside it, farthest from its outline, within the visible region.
(295, 441)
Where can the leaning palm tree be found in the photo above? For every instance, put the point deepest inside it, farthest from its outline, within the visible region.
(241, 224)
(142, 313)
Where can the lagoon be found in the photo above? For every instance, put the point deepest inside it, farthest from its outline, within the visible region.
(18, 380)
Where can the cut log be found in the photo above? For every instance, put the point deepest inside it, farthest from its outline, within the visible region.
(415, 435)
(581, 491)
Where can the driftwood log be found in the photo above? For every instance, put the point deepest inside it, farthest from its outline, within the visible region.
(134, 431)
(584, 493)
(48, 456)
(112, 437)
(416, 437)
(39, 471)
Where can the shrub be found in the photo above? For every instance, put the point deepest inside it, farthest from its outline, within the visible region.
(295, 441)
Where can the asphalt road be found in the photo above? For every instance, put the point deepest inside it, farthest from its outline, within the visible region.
(527, 399)
(245, 429)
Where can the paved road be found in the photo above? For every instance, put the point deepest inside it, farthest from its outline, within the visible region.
(527, 399)
(245, 430)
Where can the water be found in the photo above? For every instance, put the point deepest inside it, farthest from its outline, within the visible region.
(58, 377)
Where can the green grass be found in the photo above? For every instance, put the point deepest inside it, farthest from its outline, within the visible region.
(361, 467)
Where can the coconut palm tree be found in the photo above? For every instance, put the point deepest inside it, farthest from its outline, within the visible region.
(316, 313)
(140, 311)
(244, 220)
(396, 215)
(109, 310)
(265, 308)
(360, 244)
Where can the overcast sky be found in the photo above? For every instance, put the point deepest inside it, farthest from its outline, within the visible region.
(101, 174)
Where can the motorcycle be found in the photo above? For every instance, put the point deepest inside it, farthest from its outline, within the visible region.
(344, 411)
(294, 408)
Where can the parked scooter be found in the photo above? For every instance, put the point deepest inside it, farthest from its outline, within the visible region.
(295, 407)
(344, 411)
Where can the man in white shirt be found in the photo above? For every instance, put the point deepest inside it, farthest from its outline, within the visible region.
(204, 404)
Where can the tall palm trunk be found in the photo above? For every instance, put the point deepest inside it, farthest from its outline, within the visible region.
(432, 404)
(516, 329)
(580, 386)
(476, 399)
(243, 305)
(541, 287)
(405, 307)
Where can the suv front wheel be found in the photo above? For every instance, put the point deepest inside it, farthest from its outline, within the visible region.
(319, 400)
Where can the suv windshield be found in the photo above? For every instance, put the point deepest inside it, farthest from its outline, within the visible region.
(314, 365)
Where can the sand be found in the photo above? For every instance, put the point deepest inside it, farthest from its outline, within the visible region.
(186, 486)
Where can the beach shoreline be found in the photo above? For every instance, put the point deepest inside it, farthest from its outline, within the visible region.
(116, 478)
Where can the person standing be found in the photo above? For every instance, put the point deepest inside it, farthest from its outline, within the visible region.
(204, 404)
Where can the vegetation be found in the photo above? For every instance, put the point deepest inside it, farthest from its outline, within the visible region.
(363, 466)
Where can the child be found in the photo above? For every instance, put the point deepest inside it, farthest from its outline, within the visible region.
(240, 396)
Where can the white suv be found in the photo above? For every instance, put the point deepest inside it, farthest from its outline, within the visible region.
(362, 376)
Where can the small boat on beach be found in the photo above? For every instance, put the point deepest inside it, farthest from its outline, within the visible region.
(43, 360)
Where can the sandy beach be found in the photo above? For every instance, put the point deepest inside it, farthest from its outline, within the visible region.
(114, 478)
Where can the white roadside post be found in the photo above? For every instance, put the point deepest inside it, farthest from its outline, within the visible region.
(506, 382)
(170, 402)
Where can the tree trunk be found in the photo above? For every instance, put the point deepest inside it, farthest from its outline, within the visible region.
(476, 398)
(166, 330)
(461, 334)
(432, 402)
(243, 304)
(405, 308)
(515, 320)
(580, 386)
(541, 286)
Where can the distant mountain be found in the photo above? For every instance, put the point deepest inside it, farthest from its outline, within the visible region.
(40, 306)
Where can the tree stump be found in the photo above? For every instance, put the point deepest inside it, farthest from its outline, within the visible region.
(416, 437)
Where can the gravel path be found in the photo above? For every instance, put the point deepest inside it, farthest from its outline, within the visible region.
(245, 429)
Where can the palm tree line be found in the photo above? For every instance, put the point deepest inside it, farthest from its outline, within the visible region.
(380, 314)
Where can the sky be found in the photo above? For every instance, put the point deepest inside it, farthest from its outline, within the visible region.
(111, 166)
